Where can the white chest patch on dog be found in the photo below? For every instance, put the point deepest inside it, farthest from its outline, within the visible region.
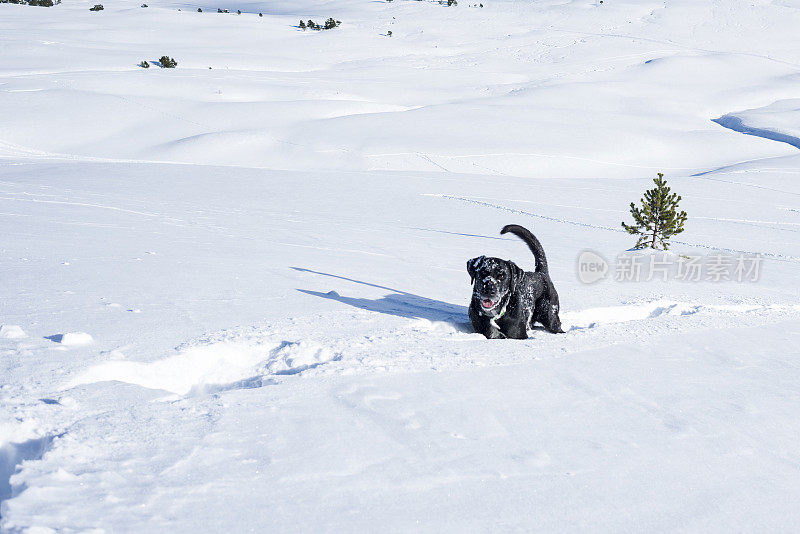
(493, 320)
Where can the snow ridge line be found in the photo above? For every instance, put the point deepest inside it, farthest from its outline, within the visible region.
(773, 255)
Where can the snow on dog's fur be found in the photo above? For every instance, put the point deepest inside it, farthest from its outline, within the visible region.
(507, 301)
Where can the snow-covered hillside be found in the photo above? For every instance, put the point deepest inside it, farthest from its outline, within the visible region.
(234, 294)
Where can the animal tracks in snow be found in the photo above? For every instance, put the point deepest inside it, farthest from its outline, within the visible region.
(372, 341)
(593, 317)
(12, 455)
(212, 367)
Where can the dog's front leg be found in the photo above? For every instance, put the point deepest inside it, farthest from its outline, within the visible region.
(494, 333)
(484, 325)
(517, 332)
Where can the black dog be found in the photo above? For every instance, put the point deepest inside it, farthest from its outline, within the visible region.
(506, 300)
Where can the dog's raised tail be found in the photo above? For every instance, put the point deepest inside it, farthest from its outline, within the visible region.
(532, 242)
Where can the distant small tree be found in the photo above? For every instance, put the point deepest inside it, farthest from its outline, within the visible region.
(199, 9)
(260, 14)
(658, 219)
(167, 62)
(302, 25)
(219, 10)
(330, 24)
(238, 11)
(144, 65)
(96, 7)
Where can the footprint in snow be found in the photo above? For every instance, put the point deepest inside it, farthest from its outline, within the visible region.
(72, 339)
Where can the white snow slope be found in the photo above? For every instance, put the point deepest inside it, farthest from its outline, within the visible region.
(233, 294)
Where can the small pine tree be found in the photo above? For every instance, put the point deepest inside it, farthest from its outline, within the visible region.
(330, 24)
(238, 11)
(302, 25)
(658, 219)
(167, 62)
(96, 7)
(144, 65)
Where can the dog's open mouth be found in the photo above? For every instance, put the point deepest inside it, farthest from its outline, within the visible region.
(486, 303)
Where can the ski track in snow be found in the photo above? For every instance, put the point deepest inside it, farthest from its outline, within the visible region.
(773, 255)
(81, 204)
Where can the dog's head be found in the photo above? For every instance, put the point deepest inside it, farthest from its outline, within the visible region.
(493, 282)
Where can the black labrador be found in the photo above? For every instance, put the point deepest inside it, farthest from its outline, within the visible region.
(507, 301)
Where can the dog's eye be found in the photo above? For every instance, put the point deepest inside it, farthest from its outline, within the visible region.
(501, 276)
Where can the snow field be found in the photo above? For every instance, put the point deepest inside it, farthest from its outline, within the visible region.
(234, 298)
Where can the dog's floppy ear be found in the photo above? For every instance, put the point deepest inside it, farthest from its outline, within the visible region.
(516, 275)
(472, 267)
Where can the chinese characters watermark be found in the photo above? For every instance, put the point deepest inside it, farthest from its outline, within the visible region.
(661, 266)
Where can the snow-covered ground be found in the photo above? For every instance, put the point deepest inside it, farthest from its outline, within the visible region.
(233, 294)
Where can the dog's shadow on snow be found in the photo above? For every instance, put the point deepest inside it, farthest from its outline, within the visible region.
(398, 303)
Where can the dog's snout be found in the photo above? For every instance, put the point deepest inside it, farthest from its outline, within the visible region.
(490, 285)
